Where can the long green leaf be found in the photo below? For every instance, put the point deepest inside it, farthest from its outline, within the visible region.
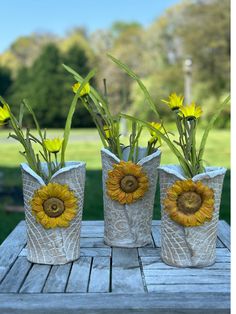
(177, 153)
(209, 127)
(71, 113)
(138, 80)
(93, 91)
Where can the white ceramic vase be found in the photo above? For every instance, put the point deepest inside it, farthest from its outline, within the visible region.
(56, 245)
(129, 225)
(189, 246)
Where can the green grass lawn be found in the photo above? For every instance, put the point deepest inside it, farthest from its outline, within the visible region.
(85, 145)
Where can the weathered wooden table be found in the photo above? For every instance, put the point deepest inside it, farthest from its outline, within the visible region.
(112, 280)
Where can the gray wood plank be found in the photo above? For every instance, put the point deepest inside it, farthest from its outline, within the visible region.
(92, 223)
(57, 279)
(152, 252)
(100, 275)
(164, 279)
(92, 231)
(156, 235)
(36, 279)
(79, 275)
(107, 303)
(197, 272)
(150, 263)
(224, 233)
(92, 242)
(188, 288)
(95, 251)
(15, 277)
(219, 243)
(11, 247)
(156, 222)
(85, 251)
(126, 271)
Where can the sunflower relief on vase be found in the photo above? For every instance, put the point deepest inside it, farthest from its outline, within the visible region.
(53, 213)
(189, 215)
(128, 194)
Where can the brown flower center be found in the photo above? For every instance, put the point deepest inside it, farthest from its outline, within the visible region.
(129, 184)
(189, 202)
(53, 207)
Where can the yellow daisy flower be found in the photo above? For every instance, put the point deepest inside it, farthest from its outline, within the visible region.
(155, 136)
(174, 102)
(4, 114)
(85, 90)
(189, 203)
(53, 145)
(191, 112)
(127, 182)
(54, 205)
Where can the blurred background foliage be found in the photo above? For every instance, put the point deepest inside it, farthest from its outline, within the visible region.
(32, 67)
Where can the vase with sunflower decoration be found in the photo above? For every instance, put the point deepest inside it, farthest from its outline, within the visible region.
(190, 192)
(129, 173)
(53, 189)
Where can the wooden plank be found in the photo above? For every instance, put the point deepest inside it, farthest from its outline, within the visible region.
(172, 280)
(149, 263)
(189, 288)
(36, 279)
(224, 233)
(85, 251)
(156, 235)
(104, 303)
(219, 243)
(126, 272)
(79, 276)
(198, 272)
(152, 252)
(11, 247)
(92, 242)
(222, 254)
(92, 252)
(100, 275)
(156, 223)
(92, 223)
(92, 231)
(15, 277)
(57, 279)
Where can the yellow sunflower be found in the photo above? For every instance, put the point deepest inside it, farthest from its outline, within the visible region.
(127, 182)
(54, 205)
(189, 203)
(191, 112)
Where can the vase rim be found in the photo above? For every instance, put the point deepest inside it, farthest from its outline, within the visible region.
(210, 172)
(140, 162)
(68, 166)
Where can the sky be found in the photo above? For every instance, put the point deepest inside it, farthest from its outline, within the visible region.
(23, 17)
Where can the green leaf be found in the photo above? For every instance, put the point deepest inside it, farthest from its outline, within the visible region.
(138, 80)
(209, 127)
(71, 113)
(182, 161)
(21, 113)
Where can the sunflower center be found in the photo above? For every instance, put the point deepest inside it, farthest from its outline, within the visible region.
(53, 207)
(189, 202)
(129, 184)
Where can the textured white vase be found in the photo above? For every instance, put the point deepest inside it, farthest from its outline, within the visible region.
(57, 245)
(190, 246)
(129, 225)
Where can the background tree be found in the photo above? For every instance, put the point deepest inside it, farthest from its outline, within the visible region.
(5, 80)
